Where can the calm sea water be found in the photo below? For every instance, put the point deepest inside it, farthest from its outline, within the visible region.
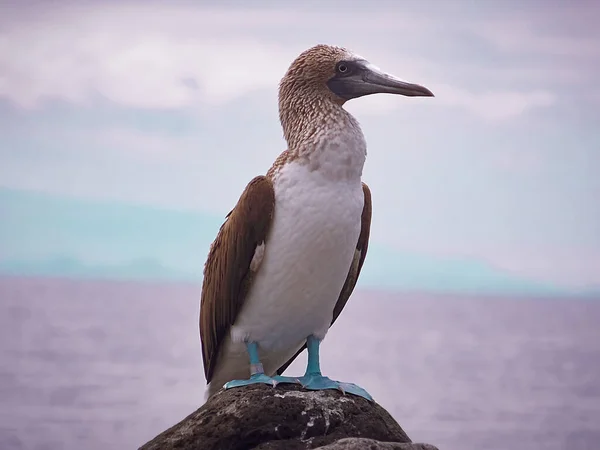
(102, 365)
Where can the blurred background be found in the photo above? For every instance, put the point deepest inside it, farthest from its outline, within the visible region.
(129, 129)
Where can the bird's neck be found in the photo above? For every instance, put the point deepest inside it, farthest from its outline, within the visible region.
(326, 137)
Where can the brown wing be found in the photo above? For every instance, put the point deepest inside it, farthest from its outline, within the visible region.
(228, 273)
(357, 263)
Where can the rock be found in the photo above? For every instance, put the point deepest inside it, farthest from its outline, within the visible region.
(260, 417)
(371, 444)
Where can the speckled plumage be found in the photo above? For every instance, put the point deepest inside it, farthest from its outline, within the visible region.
(307, 108)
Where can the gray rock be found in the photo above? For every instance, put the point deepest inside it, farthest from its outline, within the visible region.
(287, 417)
(371, 444)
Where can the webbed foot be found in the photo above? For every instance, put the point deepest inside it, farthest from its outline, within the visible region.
(260, 378)
(318, 382)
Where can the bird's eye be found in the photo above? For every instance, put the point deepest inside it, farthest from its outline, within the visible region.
(342, 68)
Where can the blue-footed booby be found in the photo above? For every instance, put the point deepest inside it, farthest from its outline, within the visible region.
(289, 254)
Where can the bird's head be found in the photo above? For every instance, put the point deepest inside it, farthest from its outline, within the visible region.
(321, 79)
(338, 74)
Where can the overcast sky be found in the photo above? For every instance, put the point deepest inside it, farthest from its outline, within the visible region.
(174, 105)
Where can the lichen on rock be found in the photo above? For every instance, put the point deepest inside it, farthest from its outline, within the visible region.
(260, 417)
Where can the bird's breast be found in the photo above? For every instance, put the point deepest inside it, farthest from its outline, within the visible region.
(307, 257)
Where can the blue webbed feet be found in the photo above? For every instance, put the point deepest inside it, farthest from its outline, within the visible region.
(314, 380)
(318, 382)
(256, 369)
(260, 378)
(257, 378)
(282, 379)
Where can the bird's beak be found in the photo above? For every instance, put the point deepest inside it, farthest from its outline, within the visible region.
(364, 79)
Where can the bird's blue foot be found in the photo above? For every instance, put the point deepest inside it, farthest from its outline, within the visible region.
(260, 378)
(317, 382)
(257, 378)
(258, 375)
(314, 380)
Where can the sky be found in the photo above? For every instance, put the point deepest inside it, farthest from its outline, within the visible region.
(174, 105)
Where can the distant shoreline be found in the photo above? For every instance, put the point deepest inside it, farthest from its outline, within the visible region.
(442, 295)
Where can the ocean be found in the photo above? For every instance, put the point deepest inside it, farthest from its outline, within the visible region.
(109, 365)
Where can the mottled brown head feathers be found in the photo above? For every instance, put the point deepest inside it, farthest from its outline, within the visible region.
(312, 69)
(303, 93)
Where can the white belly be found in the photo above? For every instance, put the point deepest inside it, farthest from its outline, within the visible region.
(307, 257)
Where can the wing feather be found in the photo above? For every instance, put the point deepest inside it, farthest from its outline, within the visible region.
(233, 259)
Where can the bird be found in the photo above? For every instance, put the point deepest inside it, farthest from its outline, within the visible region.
(288, 255)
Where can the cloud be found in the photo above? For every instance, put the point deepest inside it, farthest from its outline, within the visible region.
(517, 160)
(517, 36)
(178, 56)
(498, 105)
(491, 106)
(150, 145)
(143, 71)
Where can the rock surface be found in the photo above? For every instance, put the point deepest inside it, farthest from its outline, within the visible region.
(260, 417)
(371, 444)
